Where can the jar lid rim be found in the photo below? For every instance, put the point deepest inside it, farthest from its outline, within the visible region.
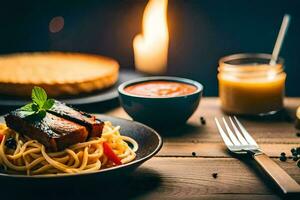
(226, 59)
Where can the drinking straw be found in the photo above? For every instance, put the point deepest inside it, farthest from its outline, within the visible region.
(280, 38)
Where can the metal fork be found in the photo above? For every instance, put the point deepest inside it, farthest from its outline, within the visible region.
(239, 141)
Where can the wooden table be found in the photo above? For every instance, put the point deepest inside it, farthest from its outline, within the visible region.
(176, 174)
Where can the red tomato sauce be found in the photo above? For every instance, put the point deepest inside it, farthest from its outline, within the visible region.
(160, 89)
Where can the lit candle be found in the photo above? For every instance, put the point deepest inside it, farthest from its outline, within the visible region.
(151, 47)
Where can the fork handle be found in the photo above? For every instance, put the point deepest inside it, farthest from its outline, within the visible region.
(283, 180)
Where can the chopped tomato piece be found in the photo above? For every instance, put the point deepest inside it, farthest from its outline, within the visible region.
(1, 137)
(111, 154)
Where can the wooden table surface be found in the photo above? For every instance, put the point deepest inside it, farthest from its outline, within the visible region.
(176, 174)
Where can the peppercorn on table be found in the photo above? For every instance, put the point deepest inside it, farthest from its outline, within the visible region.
(194, 163)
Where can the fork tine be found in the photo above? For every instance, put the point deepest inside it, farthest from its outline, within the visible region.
(231, 134)
(238, 133)
(223, 134)
(245, 132)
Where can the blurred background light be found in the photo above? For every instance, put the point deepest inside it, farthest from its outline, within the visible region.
(56, 24)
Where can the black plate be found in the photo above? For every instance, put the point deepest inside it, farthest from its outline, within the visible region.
(149, 142)
(9, 102)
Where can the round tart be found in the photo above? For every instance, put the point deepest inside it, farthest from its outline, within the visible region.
(58, 73)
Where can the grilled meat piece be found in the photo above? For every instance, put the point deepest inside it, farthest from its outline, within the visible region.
(62, 110)
(54, 132)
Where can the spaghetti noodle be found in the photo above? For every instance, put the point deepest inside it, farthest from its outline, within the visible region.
(30, 157)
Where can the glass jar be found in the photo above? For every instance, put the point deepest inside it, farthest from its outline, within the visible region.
(249, 85)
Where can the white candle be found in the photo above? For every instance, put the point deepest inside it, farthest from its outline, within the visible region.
(151, 47)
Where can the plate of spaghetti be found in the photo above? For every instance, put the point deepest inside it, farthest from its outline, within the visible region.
(49, 139)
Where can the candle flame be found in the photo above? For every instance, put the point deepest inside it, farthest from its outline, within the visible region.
(151, 47)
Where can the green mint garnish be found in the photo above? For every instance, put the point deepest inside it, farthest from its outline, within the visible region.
(39, 105)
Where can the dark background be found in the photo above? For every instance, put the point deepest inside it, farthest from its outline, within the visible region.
(201, 31)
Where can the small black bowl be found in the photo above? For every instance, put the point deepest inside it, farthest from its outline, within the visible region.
(160, 112)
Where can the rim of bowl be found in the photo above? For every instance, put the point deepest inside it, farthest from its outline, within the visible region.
(198, 85)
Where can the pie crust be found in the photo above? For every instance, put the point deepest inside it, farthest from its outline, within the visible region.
(58, 73)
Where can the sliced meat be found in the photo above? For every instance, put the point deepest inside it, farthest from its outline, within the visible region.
(94, 126)
(52, 131)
